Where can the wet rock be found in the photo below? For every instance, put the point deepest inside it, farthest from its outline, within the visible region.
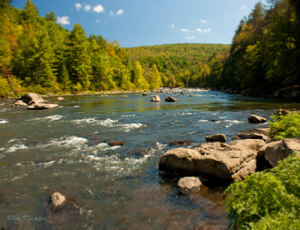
(139, 152)
(156, 98)
(252, 136)
(144, 94)
(181, 93)
(283, 112)
(217, 137)
(189, 182)
(170, 99)
(263, 130)
(57, 199)
(60, 98)
(178, 143)
(256, 119)
(247, 91)
(41, 106)
(19, 103)
(214, 120)
(292, 91)
(191, 95)
(31, 98)
(226, 161)
(278, 150)
(115, 143)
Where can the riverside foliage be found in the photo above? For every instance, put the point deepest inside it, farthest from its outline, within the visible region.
(37, 54)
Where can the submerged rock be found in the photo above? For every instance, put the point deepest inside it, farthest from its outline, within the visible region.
(178, 143)
(256, 119)
(217, 137)
(189, 182)
(115, 143)
(170, 99)
(156, 98)
(233, 161)
(41, 106)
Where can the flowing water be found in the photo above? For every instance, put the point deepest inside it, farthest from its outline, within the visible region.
(114, 187)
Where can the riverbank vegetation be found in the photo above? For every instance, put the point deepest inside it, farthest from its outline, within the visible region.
(38, 55)
(269, 199)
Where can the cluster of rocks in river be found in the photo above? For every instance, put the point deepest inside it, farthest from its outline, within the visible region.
(34, 102)
(231, 161)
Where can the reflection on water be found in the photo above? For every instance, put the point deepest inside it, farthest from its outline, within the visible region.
(113, 187)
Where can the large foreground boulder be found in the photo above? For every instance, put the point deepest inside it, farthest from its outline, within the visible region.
(156, 98)
(256, 119)
(170, 99)
(233, 161)
(278, 150)
(31, 98)
(41, 106)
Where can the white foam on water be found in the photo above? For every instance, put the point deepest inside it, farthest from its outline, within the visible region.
(108, 122)
(49, 118)
(71, 141)
(203, 121)
(4, 121)
(76, 106)
(16, 147)
(128, 115)
(233, 121)
(160, 146)
(3, 110)
(14, 140)
(128, 127)
(2, 156)
(113, 147)
(19, 177)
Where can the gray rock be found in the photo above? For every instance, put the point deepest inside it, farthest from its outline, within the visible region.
(156, 98)
(170, 99)
(31, 98)
(60, 98)
(189, 182)
(278, 150)
(41, 106)
(256, 119)
(252, 136)
(217, 137)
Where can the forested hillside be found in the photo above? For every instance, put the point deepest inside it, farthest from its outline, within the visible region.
(179, 64)
(38, 55)
(265, 50)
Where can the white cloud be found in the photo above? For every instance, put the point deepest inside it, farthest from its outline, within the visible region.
(97, 20)
(199, 30)
(203, 21)
(172, 25)
(111, 13)
(206, 31)
(78, 6)
(184, 30)
(120, 11)
(87, 7)
(244, 7)
(98, 8)
(63, 20)
(192, 37)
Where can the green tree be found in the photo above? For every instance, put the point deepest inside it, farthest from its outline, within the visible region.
(154, 79)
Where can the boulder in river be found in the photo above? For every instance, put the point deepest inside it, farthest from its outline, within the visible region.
(278, 150)
(115, 143)
(233, 161)
(60, 98)
(57, 199)
(170, 99)
(31, 98)
(189, 182)
(19, 103)
(252, 136)
(41, 106)
(217, 137)
(256, 119)
(156, 98)
(191, 95)
(144, 94)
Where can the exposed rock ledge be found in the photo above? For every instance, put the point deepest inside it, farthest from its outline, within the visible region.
(233, 161)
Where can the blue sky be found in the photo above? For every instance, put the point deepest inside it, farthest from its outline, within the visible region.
(154, 22)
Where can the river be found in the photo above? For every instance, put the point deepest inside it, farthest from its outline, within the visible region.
(65, 149)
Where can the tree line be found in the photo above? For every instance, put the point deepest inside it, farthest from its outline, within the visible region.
(38, 55)
(265, 51)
